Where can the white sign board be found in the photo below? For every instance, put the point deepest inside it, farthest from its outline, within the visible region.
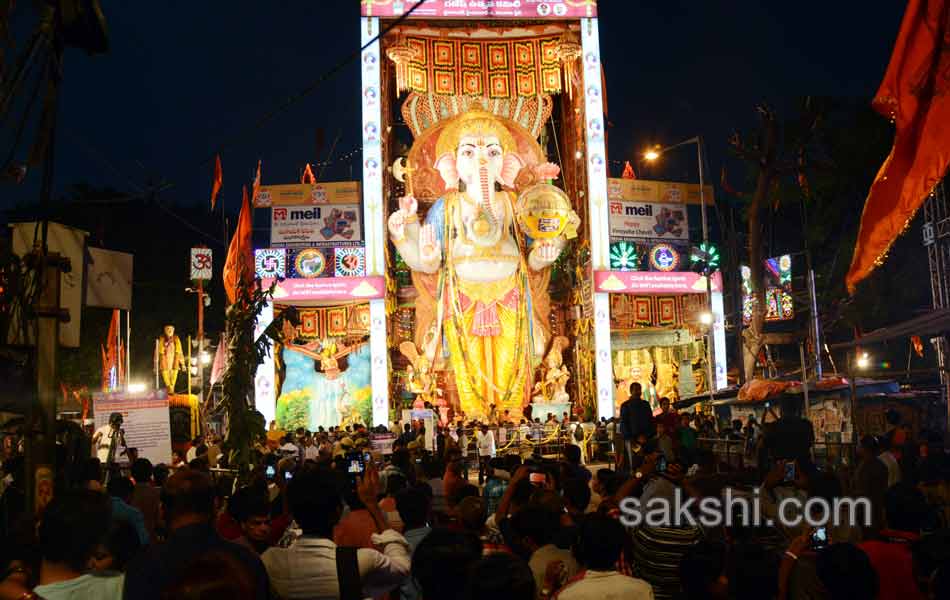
(109, 279)
(201, 263)
(630, 219)
(315, 225)
(70, 243)
(428, 421)
(144, 419)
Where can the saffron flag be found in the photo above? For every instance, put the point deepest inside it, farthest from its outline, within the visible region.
(113, 369)
(628, 171)
(240, 263)
(256, 185)
(216, 182)
(307, 176)
(915, 94)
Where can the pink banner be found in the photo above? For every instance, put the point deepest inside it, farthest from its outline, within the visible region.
(486, 9)
(327, 289)
(655, 282)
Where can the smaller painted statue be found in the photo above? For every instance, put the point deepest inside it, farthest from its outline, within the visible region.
(419, 378)
(346, 407)
(169, 359)
(552, 385)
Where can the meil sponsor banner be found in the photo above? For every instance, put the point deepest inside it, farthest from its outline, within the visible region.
(315, 225)
(648, 220)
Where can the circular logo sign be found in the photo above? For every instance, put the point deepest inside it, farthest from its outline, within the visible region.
(664, 257)
(310, 263)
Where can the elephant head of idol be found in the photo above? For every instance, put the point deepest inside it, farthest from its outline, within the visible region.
(478, 151)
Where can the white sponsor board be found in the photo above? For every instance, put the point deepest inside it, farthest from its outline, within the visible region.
(144, 419)
(648, 220)
(109, 279)
(315, 225)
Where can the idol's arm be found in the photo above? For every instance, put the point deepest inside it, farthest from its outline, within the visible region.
(418, 245)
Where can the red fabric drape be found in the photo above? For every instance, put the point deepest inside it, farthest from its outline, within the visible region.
(915, 93)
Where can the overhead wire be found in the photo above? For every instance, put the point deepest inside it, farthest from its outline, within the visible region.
(258, 124)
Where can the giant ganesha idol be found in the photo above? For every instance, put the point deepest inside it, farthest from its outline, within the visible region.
(481, 261)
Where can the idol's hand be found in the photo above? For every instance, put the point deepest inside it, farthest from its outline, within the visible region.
(543, 255)
(397, 226)
(429, 250)
(402, 217)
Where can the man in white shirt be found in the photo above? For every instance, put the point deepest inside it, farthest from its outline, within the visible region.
(485, 441)
(600, 542)
(103, 438)
(308, 567)
(890, 461)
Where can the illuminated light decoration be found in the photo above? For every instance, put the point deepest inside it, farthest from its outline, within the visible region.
(349, 262)
(310, 263)
(664, 257)
(270, 263)
(374, 257)
(779, 303)
(704, 258)
(623, 256)
(598, 217)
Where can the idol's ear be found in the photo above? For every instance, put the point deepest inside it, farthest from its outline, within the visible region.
(511, 165)
(445, 164)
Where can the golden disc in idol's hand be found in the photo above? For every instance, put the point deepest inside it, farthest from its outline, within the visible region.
(544, 213)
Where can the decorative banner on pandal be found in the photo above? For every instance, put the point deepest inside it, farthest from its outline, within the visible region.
(327, 289)
(302, 194)
(665, 258)
(315, 225)
(336, 321)
(632, 220)
(656, 282)
(349, 262)
(311, 262)
(630, 312)
(481, 9)
(662, 192)
(498, 68)
(270, 263)
(201, 263)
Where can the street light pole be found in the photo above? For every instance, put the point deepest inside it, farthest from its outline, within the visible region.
(652, 155)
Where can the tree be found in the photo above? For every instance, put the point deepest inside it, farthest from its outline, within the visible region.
(810, 176)
(776, 152)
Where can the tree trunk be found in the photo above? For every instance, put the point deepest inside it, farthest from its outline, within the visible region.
(752, 335)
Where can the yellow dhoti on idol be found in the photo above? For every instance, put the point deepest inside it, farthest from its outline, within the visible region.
(490, 357)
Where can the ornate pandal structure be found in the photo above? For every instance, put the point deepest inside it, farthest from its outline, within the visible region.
(481, 261)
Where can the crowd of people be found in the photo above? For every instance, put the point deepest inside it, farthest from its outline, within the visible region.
(325, 515)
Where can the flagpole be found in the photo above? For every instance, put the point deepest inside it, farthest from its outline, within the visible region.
(118, 344)
(128, 348)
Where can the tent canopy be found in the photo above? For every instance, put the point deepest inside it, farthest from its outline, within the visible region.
(936, 322)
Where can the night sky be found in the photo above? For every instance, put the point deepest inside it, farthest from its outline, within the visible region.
(185, 80)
